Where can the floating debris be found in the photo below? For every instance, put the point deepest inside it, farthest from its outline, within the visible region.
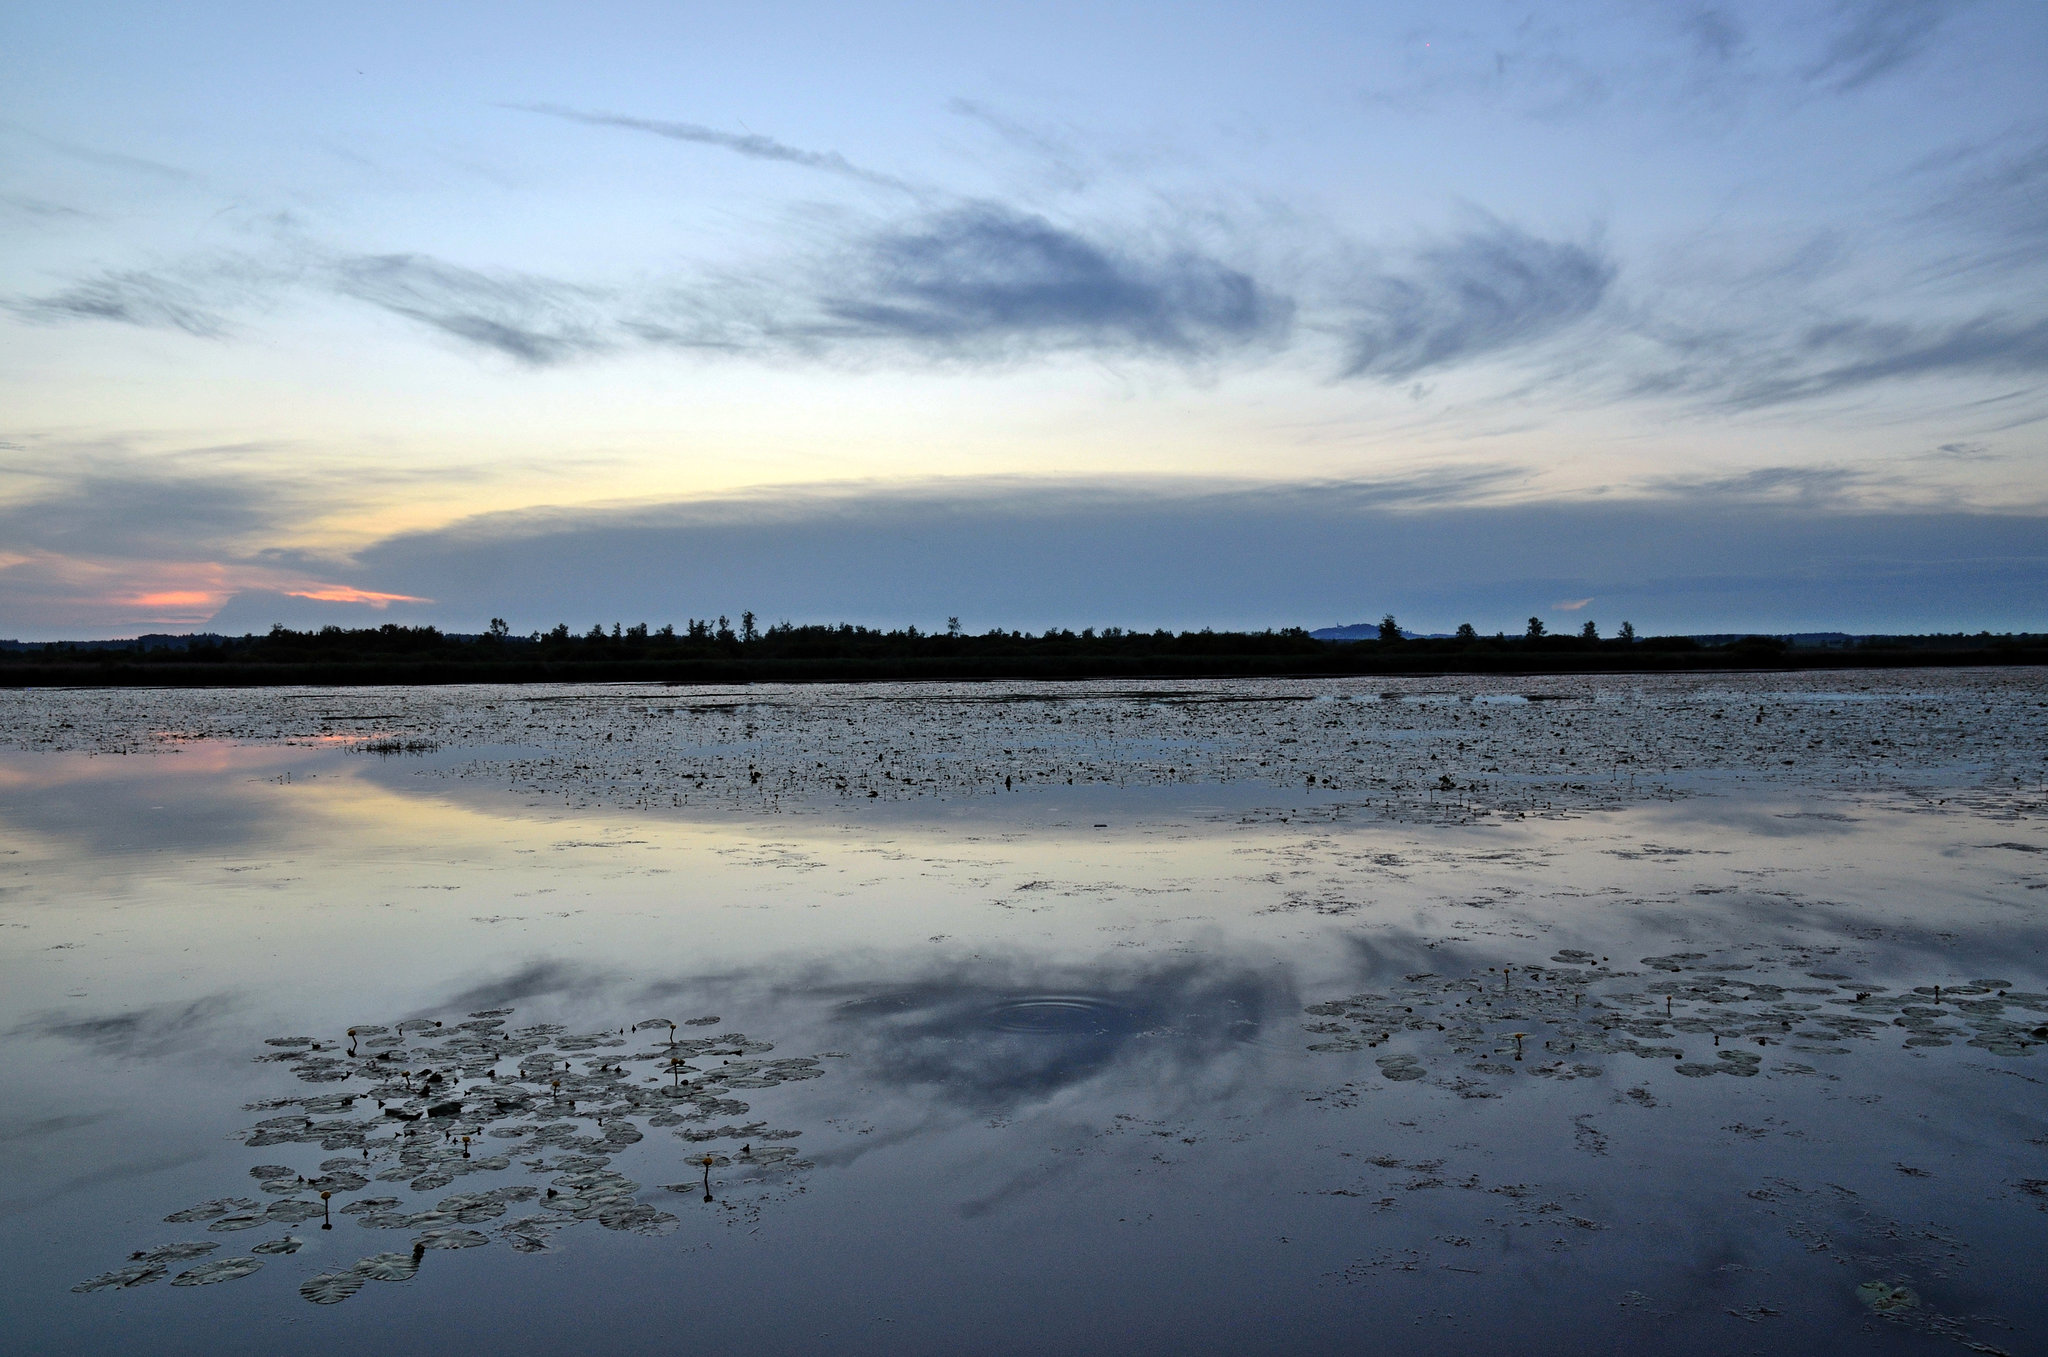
(1887, 1298)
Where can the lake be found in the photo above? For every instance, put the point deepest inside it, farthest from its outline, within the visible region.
(1688, 1014)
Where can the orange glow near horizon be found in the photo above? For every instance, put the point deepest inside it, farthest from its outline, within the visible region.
(179, 598)
(342, 593)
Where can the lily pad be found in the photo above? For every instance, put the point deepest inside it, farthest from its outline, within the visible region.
(1400, 1067)
(290, 1211)
(139, 1274)
(242, 1220)
(209, 1210)
(289, 1244)
(450, 1239)
(171, 1253)
(221, 1270)
(331, 1288)
(389, 1267)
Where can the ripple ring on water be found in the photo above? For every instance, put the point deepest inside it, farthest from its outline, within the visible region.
(1060, 1015)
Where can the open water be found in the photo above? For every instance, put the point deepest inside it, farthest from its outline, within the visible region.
(1703, 1014)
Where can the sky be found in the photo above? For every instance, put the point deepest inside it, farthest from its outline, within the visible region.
(1704, 316)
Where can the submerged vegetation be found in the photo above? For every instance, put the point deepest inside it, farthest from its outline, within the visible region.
(719, 652)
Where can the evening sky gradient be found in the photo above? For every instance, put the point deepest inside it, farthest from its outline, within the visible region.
(1714, 316)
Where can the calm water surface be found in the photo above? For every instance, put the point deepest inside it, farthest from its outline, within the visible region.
(1691, 1015)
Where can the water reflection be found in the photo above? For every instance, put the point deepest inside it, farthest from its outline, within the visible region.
(992, 1040)
(1209, 1075)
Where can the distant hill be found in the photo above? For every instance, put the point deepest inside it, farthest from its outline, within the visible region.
(1370, 631)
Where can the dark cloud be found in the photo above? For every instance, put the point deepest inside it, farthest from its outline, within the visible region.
(131, 508)
(1876, 37)
(1833, 486)
(531, 319)
(1784, 550)
(749, 144)
(1483, 292)
(987, 278)
(253, 611)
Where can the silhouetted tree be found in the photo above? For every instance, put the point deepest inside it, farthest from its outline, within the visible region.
(747, 632)
(1535, 631)
(1390, 630)
(1589, 632)
(1627, 633)
(498, 630)
(1467, 632)
(952, 626)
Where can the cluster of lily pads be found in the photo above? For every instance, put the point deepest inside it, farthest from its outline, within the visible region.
(423, 1103)
(1708, 1014)
(1435, 747)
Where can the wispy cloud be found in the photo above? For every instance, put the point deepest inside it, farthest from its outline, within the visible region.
(161, 300)
(1876, 37)
(750, 144)
(1480, 292)
(1838, 357)
(989, 277)
(531, 319)
(1714, 33)
(104, 159)
(982, 282)
(1834, 487)
(40, 209)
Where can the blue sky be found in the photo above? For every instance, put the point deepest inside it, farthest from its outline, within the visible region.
(1713, 316)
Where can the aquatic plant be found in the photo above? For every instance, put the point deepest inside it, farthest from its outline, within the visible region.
(1583, 1007)
(421, 1115)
